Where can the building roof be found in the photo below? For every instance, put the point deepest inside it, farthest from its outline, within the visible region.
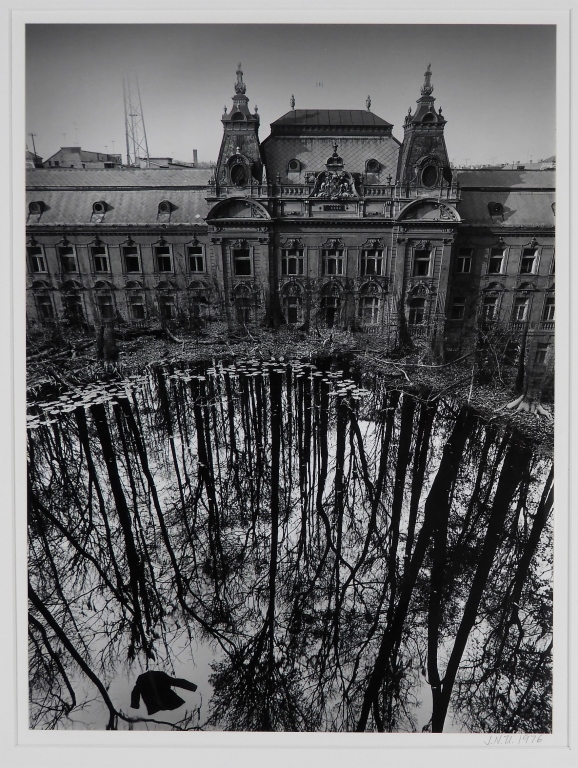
(110, 178)
(489, 178)
(330, 117)
(521, 208)
(313, 152)
(73, 207)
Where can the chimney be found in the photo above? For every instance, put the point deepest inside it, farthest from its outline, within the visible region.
(195, 157)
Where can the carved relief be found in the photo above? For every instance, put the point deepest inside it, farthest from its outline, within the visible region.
(334, 186)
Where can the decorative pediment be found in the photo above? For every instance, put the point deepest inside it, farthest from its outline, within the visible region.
(292, 289)
(428, 210)
(372, 243)
(370, 289)
(238, 208)
(421, 289)
(332, 288)
(292, 243)
(332, 243)
(494, 288)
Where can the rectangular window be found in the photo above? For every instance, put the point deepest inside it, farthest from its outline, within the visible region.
(45, 307)
(292, 309)
(548, 313)
(332, 261)
(496, 263)
(528, 263)
(416, 311)
(131, 258)
(490, 308)
(136, 305)
(242, 262)
(541, 353)
(196, 260)
(292, 262)
(72, 306)
(67, 259)
(105, 306)
(553, 266)
(167, 307)
(369, 310)
(372, 262)
(36, 258)
(421, 263)
(163, 258)
(99, 258)
(464, 265)
(520, 311)
(458, 310)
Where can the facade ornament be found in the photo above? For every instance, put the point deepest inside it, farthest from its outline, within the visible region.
(256, 109)
(225, 109)
(389, 178)
(334, 186)
(240, 86)
(427, 87)
(368, 102)
(292, 101)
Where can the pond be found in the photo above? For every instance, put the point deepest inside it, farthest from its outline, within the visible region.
(314, 550)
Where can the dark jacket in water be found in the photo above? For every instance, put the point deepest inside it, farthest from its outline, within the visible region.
(155, 689)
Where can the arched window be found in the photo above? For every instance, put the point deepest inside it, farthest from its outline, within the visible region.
(239, 176)
(417, 311)
(369, 305)
(244, 304)
(331, 304)
(293, 304)
(429, 176)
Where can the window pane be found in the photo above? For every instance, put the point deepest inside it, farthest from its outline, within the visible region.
(242, 262)
(67, 259)
(131, 259)
(196, 261)
(45, 307)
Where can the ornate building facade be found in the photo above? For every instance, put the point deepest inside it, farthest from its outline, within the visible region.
(329, 222)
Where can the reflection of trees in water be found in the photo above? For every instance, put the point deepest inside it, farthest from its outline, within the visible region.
(341, 554)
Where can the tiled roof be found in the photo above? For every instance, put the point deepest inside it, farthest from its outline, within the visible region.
(313, 152)
(520, 208)
(45, 178)
(502, 178)
(331, 117)
(74, 207)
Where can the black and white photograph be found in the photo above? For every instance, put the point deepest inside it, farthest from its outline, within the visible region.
(290, 374)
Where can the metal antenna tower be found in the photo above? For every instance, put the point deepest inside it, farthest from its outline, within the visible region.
(136, 138)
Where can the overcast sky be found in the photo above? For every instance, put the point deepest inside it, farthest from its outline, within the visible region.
(495, 83)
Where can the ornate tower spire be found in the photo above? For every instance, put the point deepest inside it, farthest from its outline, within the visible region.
(427, 87)
(240, 163)
(424, 156)
(240, 86)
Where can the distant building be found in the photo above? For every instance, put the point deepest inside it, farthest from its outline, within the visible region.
(76, 157)
(330, 221)
(169, 162)
(33, 160)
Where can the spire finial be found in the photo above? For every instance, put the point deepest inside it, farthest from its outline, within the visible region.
(427, 87)
(292, 101)
(368, 102)
(240, 86)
